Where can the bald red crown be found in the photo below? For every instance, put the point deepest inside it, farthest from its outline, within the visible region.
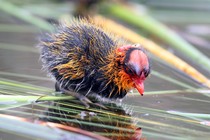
(136, 65)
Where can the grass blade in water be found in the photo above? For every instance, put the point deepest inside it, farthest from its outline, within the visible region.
(153, 48)
(161, 31)
(10, 101)
(24, 15)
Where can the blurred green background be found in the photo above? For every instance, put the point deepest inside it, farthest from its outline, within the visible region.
(174, 106)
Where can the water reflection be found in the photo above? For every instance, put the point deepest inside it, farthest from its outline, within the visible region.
(113, 122)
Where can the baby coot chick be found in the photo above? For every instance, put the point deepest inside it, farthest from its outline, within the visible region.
(87, 60)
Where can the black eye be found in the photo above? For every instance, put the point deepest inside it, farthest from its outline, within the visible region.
(128, 70)
(146, 72)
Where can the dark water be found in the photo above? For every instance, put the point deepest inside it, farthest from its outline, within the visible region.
(19, 57)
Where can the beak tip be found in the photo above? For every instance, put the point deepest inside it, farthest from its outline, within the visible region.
(140, 88)
(139, 85)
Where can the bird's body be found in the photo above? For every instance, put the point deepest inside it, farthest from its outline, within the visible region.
(88, 60)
